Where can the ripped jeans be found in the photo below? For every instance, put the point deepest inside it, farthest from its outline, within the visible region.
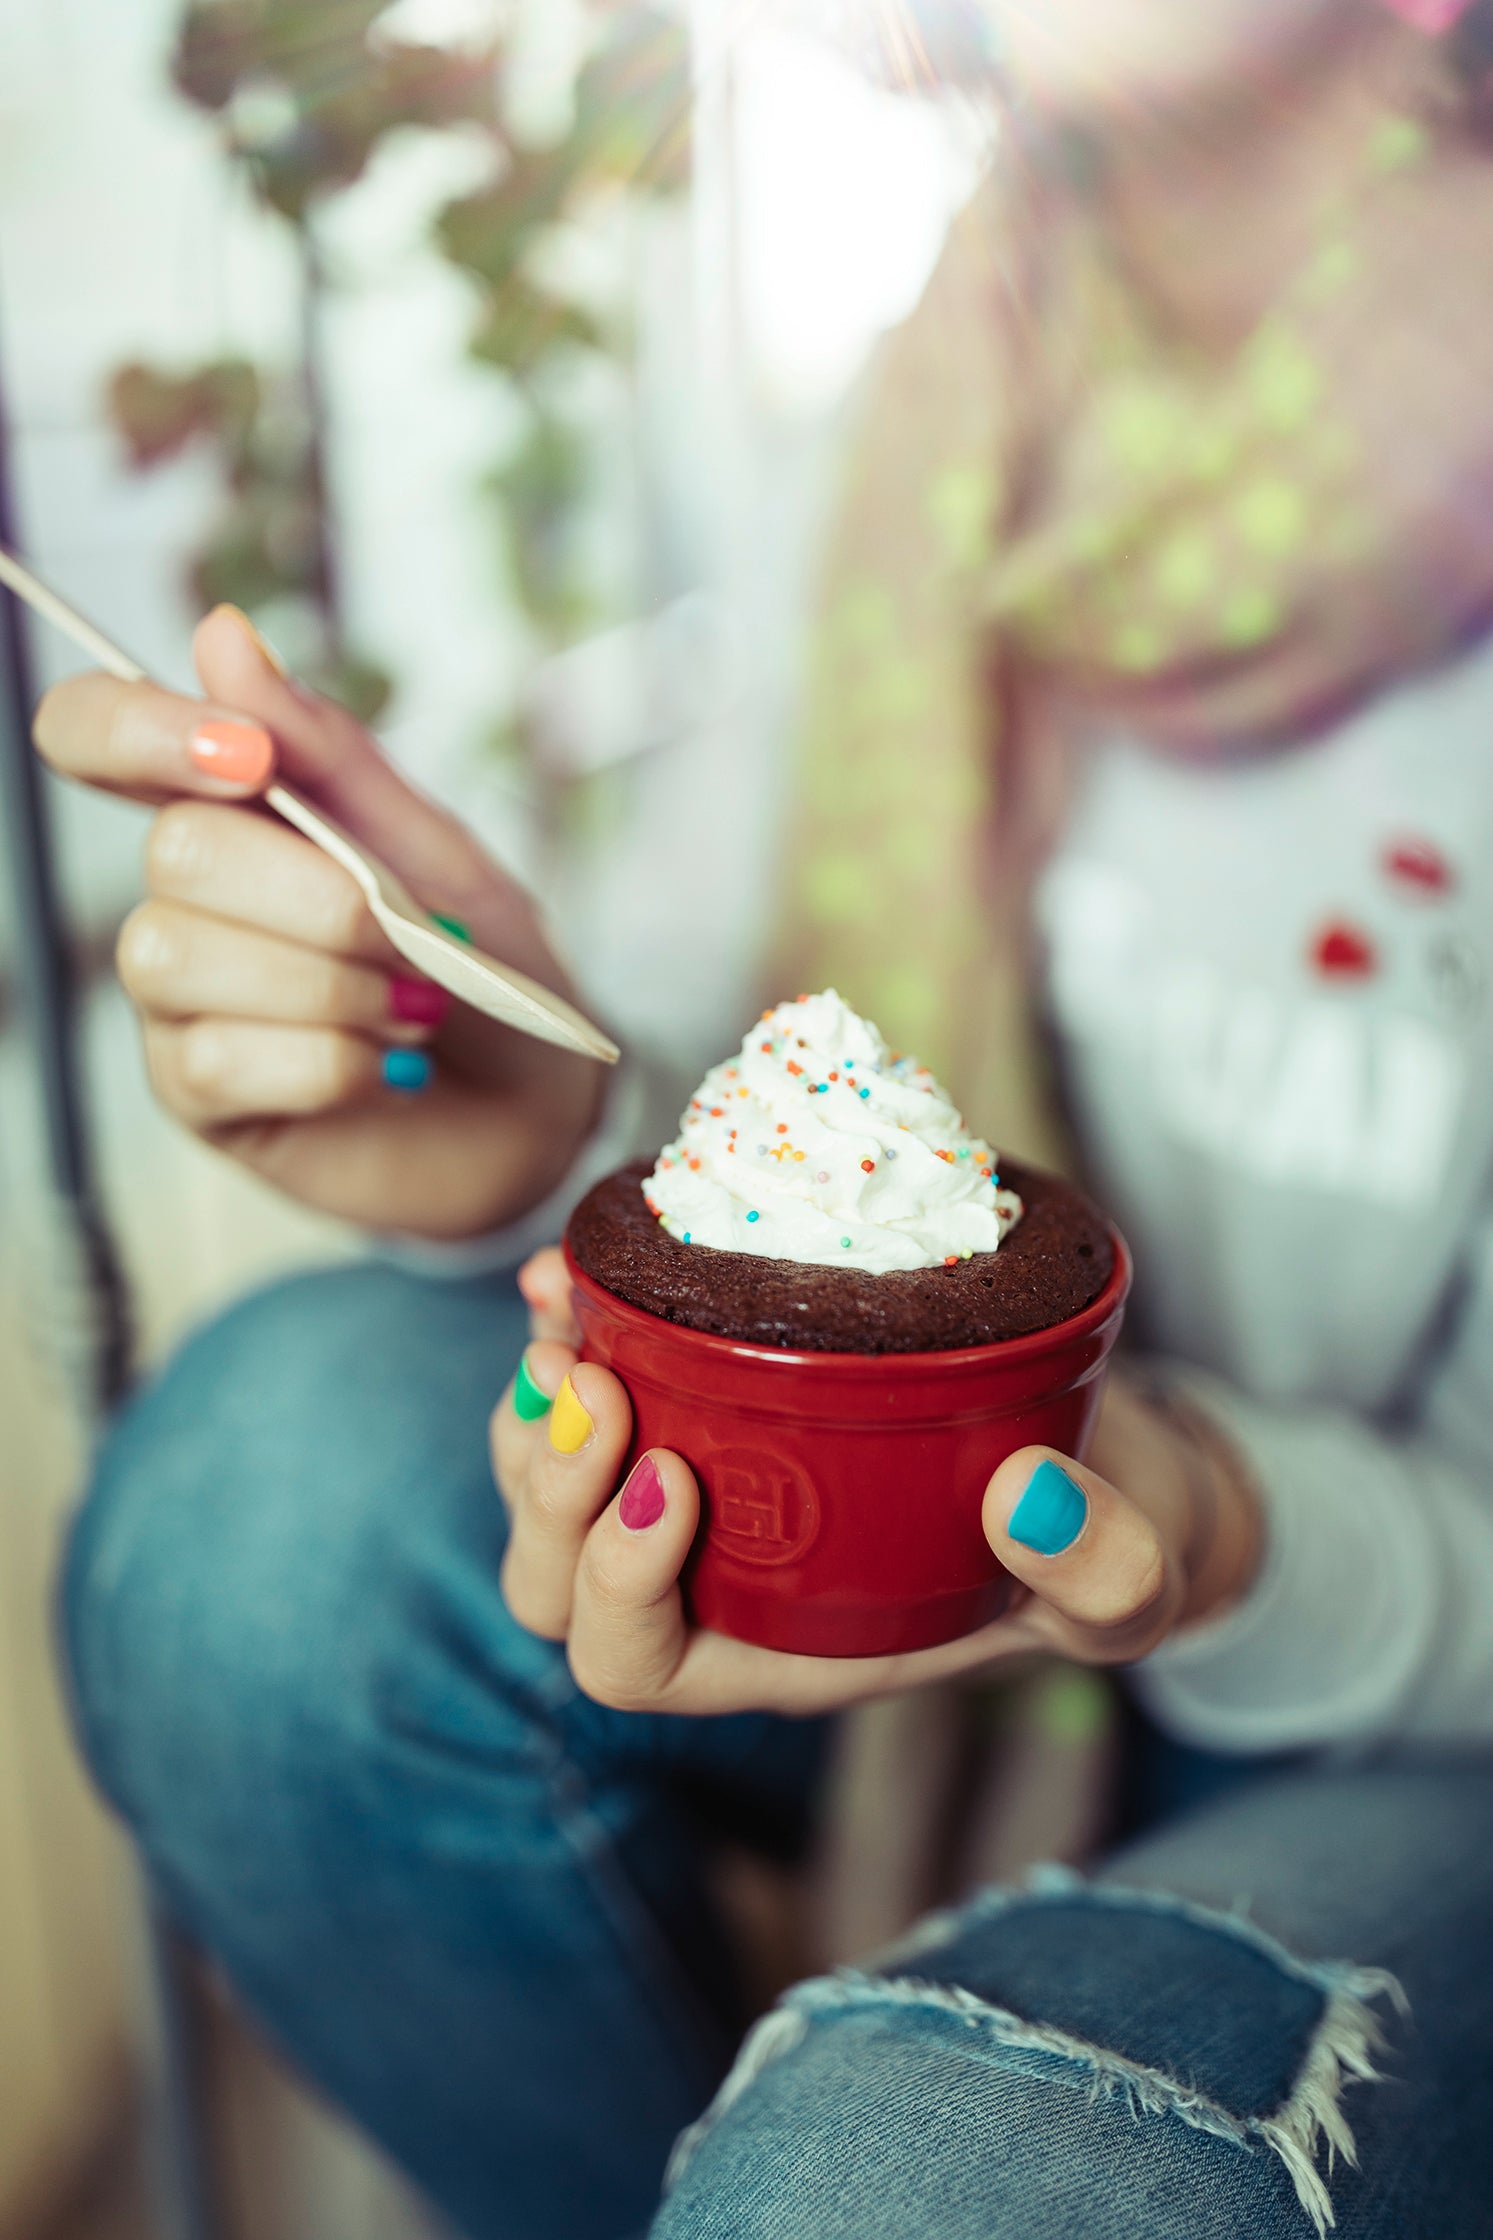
(470, 1903)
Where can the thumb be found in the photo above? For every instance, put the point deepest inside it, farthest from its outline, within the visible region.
(1107, 1587)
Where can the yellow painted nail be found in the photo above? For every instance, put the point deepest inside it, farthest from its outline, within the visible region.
(570, 1426)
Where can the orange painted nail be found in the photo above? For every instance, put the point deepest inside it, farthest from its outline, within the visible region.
(242, 754)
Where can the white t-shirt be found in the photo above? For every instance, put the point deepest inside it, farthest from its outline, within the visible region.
(1271, 986)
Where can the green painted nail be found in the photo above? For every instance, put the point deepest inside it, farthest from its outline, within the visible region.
(454, 927)
(529, 1402)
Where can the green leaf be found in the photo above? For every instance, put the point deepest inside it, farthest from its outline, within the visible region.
(159, 414)
(306, 97)
(521, 326)
(264, 547)
(435, 87)
(490, 233)
(540, 490)
(329, 93)
(360, 686)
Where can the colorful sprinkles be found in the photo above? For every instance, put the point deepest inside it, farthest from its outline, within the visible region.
(781, 1071)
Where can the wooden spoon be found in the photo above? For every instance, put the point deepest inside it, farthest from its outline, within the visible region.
(454, 964)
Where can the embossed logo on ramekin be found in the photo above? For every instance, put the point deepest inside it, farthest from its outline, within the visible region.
(762, 1510)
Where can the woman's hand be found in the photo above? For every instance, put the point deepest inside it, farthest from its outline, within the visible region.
(270, 1001)
(599, 1570)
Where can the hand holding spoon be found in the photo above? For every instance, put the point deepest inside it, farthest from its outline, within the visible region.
(456, 965)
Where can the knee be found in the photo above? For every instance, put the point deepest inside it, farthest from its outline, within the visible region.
(1075, 2066)
(885, 2123)
(248, 1587)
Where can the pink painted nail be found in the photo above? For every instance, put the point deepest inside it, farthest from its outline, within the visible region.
(642, 1502)
(419, 1003)
(241, 753)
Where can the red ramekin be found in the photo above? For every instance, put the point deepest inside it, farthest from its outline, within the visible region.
(842, 1491)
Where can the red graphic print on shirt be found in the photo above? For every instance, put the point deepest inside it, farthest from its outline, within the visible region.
(1344, 952)
(1418, 867)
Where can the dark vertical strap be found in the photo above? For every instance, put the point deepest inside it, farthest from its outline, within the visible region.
(92, 1290)
(94, 1301)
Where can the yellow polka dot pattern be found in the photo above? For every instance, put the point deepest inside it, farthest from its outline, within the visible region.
(1048, 483)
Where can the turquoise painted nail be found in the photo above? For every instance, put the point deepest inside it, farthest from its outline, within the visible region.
(529, 1403)
(1050, 1514)
(407, 1070)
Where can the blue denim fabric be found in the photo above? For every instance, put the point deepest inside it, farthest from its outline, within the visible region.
(1107, 2059)
(471, 1904)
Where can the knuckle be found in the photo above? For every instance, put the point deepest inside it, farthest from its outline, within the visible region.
(328, 988)
(338, 1068)
(518, 1450)
(179, 850)
(341, 911)
(204, 1061)
(315, 991)
(1125, 1602)
(555, 1510)
(149, 953)
(1149, 1584)
(164, 1073)
(606, 1590)
(120, 728)
(49, 726)
(598, 1679)
(603, 1587)
(534, 1612)
(516, 1597)
(505, 1456)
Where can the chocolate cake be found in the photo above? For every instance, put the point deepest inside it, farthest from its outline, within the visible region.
(1055, 1261)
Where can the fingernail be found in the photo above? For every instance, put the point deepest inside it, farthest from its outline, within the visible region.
(242, 753)
(454, 927)
(642, 1502)
(406, 1070)
(419, 1003)
(570, 1426)
(529, 1403)
(1051, 1513)
(257, 639)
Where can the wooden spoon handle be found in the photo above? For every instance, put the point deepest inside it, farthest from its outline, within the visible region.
(468, 973)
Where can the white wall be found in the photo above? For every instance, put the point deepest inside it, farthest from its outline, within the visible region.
(122, 233)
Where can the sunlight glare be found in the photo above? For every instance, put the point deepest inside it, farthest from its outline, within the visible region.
(844, 194)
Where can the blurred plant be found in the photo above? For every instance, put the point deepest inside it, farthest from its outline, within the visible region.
(305, 92)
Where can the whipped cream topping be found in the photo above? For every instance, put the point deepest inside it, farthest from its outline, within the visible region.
(816, 1143)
